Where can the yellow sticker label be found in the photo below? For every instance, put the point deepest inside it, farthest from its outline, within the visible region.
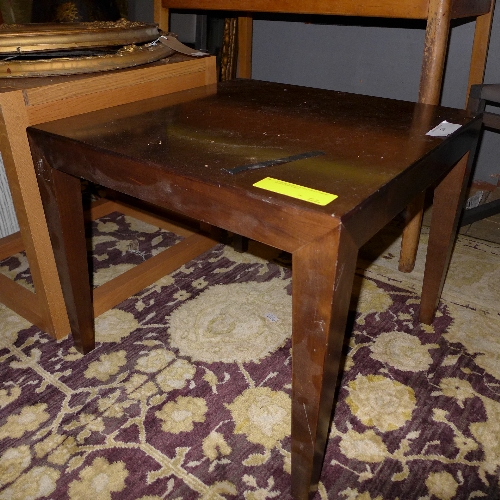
(296, 191)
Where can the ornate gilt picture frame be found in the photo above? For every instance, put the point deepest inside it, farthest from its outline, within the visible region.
(71, 48)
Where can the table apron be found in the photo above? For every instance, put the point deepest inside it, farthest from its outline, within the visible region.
(262, 218)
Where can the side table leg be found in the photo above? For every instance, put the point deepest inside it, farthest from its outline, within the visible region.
(62, 202)
(449, 197)
(323, 273)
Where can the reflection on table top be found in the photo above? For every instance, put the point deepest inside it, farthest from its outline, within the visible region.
(202, 133)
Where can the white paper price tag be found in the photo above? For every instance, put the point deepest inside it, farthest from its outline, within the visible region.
(443, 129)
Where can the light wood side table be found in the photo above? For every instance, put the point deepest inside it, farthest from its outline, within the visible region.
(30, 101)
(437, 13)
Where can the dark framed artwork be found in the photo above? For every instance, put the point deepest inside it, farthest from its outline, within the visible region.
(46, 11)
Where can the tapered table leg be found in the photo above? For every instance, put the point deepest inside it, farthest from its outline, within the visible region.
(449, 198)
(323, 274)
(62, 201)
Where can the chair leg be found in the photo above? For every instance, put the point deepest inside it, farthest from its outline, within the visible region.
(474, 103)
(480, 47)
(436, 46)
(245, 30)
(411, 234)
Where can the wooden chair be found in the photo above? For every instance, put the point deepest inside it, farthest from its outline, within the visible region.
(479, 96)
(437, 13)
(30, 101)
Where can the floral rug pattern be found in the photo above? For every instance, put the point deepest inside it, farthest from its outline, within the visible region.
(187, 394)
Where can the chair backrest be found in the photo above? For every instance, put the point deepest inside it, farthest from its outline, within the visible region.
(479, 96)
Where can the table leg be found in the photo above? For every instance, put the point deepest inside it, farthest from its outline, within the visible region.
(323, 273)
(62, 202)
(449, 197)
(435, 49)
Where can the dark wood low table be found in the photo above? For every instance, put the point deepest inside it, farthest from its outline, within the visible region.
(175, 151)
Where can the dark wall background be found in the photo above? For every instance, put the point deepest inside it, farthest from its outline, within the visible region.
(141, 10)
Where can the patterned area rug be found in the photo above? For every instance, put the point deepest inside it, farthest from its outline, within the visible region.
(187, 395)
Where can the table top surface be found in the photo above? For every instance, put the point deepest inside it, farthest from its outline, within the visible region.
(414, 9)
(200, 134)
